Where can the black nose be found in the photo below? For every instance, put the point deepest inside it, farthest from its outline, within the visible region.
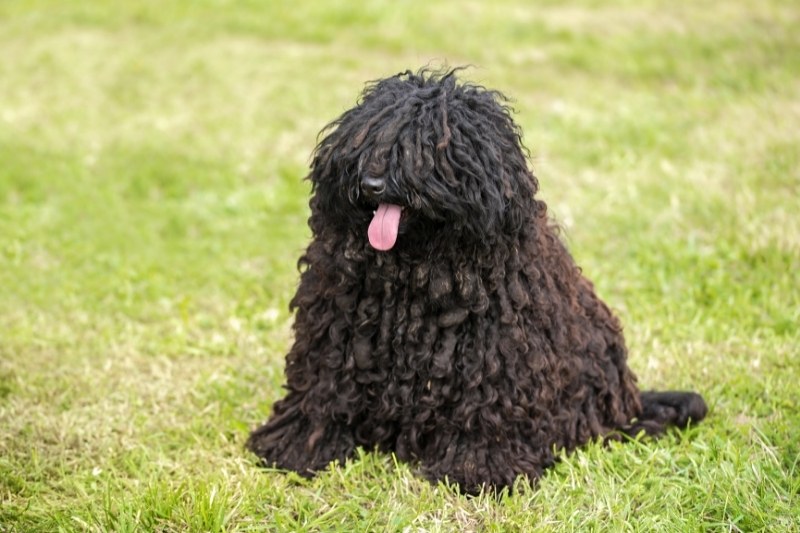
(372, 186)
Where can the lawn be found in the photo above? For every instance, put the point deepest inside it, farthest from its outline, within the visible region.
(152, 208)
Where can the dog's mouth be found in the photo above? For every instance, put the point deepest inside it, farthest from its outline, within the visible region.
(385, 226)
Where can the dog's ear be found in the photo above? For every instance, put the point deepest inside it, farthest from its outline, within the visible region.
(520, 206)
(485, 167)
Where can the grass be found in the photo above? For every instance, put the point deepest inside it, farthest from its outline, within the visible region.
(152, 209)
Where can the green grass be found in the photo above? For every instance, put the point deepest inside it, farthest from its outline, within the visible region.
(152, 210)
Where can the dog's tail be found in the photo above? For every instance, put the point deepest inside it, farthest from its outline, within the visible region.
(660, 410)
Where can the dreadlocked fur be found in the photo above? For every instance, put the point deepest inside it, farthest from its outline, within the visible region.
(473, 346)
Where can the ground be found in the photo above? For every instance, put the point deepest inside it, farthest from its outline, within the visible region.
(152, 209)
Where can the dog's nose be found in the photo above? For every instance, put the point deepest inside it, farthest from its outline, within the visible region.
(372, 186)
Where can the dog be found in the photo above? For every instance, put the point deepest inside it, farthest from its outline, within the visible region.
(439, 316)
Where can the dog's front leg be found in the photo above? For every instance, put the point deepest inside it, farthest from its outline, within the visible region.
(292, 440)
(483, 460)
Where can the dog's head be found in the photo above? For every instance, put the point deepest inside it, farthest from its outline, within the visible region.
(424, 153)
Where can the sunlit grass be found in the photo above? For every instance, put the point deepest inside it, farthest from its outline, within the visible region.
(152, 210)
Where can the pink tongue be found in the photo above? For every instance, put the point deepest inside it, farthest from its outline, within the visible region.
(382, 230)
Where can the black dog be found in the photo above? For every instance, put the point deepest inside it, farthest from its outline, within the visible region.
(438, 315)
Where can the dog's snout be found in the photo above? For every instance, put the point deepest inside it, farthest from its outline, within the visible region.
(372, 186)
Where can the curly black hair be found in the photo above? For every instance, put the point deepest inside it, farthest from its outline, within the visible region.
(439, 316)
